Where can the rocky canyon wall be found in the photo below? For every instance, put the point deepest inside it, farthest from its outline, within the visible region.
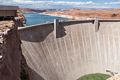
(10, 51)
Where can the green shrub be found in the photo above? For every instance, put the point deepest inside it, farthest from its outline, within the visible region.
(96, 76)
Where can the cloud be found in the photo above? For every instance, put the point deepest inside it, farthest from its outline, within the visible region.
(112, 3)
(23, 1)
(5, 1)
(50, 3)
(53, 2)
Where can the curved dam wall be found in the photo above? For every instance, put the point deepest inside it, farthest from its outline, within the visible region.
(69, 50)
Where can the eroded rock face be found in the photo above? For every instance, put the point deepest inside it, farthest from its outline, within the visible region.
(10, 51)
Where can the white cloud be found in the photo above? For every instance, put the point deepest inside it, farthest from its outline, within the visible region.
(5, 1)
(23, 1)
(112, 2)
(53, 2)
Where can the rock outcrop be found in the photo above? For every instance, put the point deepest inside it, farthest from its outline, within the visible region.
(10, 51)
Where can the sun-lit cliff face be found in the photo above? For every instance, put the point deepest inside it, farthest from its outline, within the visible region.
(6, 26)
(10, 51)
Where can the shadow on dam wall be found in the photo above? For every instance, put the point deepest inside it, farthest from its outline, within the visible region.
(27, 72)
(71, 50)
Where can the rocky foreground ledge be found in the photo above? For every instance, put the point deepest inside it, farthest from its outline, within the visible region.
(5, 26)
(10, 51)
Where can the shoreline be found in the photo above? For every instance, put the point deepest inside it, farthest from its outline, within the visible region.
(61, 16)
(68, 16)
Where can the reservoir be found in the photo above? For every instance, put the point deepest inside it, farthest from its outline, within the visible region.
(37, 18)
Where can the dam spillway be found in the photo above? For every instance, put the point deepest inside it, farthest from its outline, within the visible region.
(68, 50)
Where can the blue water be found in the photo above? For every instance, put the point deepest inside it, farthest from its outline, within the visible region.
(36, 18)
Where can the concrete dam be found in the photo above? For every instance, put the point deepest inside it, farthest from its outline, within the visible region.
(71, 49)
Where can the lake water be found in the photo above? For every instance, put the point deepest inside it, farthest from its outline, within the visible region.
(36, 18)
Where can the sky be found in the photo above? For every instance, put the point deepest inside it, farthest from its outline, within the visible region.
(61, 4)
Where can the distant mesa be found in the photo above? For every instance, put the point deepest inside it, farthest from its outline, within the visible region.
(29, 10)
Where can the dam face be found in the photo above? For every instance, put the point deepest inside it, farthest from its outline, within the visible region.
(71, 50)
